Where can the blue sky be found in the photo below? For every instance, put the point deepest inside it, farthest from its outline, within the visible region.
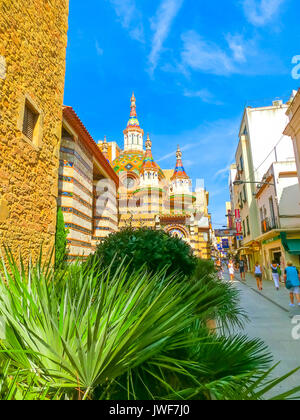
(193, 65)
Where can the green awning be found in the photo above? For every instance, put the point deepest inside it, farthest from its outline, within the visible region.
(292, 246)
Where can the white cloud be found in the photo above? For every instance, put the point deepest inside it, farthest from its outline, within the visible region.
(130, 18)
(161, 26)
(238, 47)
(260, 12)
(99, 49)
(173, 153)
(236, 56)
(206, 56)
(214, 142)
(214, 193)
(222, 172)
(204, 94)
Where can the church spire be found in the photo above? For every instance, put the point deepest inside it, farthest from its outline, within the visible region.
(104, 148)
(148, 144)
(148, 164)
(149, 171)
(179, 172)
(133, 134)
(133, 106)
(133, 121)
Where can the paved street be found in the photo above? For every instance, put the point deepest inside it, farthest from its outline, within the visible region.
(271, 320)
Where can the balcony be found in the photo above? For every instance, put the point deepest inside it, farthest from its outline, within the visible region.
(269, 224)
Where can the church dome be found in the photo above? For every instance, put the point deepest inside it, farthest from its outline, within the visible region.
(132, 161)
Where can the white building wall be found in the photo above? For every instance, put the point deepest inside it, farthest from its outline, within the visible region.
(285, 195)
(265, 128)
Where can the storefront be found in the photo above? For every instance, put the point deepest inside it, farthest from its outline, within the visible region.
(291, 245)
(251, 254)
(281, 247)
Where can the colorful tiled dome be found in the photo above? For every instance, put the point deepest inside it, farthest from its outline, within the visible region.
(129, 161)
(132, 162)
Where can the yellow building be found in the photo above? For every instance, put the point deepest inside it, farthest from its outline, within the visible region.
(160, 199)
(33, 39)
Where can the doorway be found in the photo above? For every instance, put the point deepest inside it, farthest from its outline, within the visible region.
(276, 256)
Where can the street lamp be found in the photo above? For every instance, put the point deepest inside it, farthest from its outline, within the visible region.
(236, 183)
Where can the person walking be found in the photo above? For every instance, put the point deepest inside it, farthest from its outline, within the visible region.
(292, 282)
(242, 267)
(219, 269)
(258, 273)
(275, 274)
(231, 270)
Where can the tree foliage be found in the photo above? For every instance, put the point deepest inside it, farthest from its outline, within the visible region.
(60, 240)
(145, 247)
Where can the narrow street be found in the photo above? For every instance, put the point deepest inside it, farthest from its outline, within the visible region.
(271, 320)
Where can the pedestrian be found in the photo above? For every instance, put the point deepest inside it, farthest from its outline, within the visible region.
(275, 274)
(219, 269)
(231, 270)
(242, 267)
(258, 273)
(292, 282)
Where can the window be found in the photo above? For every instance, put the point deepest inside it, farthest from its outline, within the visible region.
(245, 194)
(248, 226)
(265, 212)
(272, 212)
(261, 214)
(242, 163)
(241, 201)
(29, 121)
(244, 230)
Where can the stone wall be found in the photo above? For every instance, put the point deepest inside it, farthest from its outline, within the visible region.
(33, 39)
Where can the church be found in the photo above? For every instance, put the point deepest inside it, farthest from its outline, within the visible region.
(149, 196)
(48, 159)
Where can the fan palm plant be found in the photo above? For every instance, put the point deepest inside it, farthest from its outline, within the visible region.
(87, 334)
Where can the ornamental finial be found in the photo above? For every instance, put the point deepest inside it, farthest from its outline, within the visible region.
(148, 143)
(178, 153)
(104, 145)
(133, 106)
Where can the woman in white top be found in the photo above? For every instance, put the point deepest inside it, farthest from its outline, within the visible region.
(258, 275)
(231, 270)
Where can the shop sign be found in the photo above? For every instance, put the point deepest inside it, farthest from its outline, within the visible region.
(224, 232)
(225, 243)
(269, 241)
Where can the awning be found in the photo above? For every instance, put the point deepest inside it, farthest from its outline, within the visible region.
(292, 246)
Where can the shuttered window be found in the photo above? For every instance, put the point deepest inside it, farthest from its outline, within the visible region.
(29, 122)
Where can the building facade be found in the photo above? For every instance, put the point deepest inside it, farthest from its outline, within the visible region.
(32, 73)
(279, 215)
(87, 188)
(293, 127)
(159, 199)
(261, 142)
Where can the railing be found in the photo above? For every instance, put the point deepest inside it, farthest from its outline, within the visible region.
(268, 224)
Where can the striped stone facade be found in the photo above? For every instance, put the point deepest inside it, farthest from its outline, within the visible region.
(87, 188)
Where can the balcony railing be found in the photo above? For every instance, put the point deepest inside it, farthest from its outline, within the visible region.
(269, 224)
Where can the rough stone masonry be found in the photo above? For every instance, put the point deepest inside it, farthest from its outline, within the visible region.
(33, 40)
